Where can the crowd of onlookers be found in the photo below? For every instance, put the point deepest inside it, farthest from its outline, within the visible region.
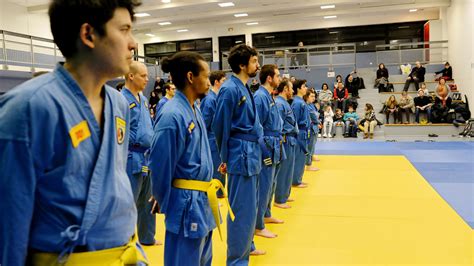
(337, 105)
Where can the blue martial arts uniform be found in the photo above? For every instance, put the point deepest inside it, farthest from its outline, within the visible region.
(141, 132)
(300, 110)
(290, 131)
(180, 150)
(314, 118)
(208, 109)
(272, 124)
(62, 175)
(160, 106)
(237, 130)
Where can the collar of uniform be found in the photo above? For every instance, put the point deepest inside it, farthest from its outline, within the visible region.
(265, 90)
(130, 95)
(212, 92)
(236, 79)
(181, 97)
(65, 76)
(297, 98)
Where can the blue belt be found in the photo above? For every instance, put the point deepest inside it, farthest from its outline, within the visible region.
(243, 136)
(270, 133)
(135, 147)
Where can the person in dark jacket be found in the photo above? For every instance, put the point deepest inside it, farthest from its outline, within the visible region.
(381, 79)
(446, 73)
(416, 76)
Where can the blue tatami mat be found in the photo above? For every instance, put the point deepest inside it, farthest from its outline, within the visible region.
(447, 166)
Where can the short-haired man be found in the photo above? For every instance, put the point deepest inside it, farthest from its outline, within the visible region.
(141, 131)
(208, 110)
(303, 121)
(422, 105)
(168, 91)
(237, 130)
(64, 144)
(270, 145)
(290, 132)
(416, 76)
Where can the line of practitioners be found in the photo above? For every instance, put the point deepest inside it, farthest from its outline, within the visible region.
(79, 158)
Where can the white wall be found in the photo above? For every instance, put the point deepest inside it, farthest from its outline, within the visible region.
(461, 45)
(16, 18)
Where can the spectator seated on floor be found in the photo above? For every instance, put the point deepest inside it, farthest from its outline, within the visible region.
(325, 96)
(350, 120)
(416, 76)
(369, 121)
(422, 105)
(340, 96)
(442, 110)
(446, 72)
(406, 106)
(328, 120)
(338, 121)
(391, 108)
(381, 80)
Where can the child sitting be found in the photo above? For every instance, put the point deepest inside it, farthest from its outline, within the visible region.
(338, 121)
(350, 119)
(327, 126)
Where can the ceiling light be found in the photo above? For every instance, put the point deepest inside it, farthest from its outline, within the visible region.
(166, 1)
(333, 32)
(141, 15)
(164, 23)
(252, 23)
(413, 10)
(183, 30)
(328, 17)
(270, 37)
(238, 41)
(150, 35)
(241, 15)
(226, 4)
(328, 6)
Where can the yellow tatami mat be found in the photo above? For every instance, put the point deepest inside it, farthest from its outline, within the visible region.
(360, 210)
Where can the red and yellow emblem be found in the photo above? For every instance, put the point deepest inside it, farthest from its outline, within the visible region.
(79, 133)
(120, 128)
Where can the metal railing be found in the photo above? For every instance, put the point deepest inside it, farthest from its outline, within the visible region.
(306, 57)
(434, 52)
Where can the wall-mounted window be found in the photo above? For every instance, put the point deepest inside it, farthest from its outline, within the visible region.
(163, 49)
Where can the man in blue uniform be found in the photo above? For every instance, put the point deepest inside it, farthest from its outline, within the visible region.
(237, 130)
(270, 144)
(169, 90)
(65, 194)
(314, 128)
(181, 166)
(290, 132)
(208, 109)
(302, 120)
(141, 131)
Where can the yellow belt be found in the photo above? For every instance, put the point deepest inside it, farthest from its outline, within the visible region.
(119, 256)
(211, 189)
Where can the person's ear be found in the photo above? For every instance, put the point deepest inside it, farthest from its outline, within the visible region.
(190, 77)
(87, 35)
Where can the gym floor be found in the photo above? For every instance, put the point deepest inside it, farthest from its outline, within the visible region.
(373, 203)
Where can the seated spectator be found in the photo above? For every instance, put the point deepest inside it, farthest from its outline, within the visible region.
(338, 121)
(391, 107)
(353, 85)
(328, 120)
(370, 121)
(446, 72)
(424, 89)
(325, 96)
(441, 110)
(159, 83)
(338, 79)
(154, 99)
(254, 86)
(350, 119)
(340, 96)
(416, 76)
(406, 106)
(381, 79)
(441, 83)
(422, 105)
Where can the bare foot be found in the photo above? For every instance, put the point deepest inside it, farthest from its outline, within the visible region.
(265, 233)
(290, 200)
(282, 205)
(315, 158)
(302, 185)
(272, 220)
(258, 252)
(312, 168)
